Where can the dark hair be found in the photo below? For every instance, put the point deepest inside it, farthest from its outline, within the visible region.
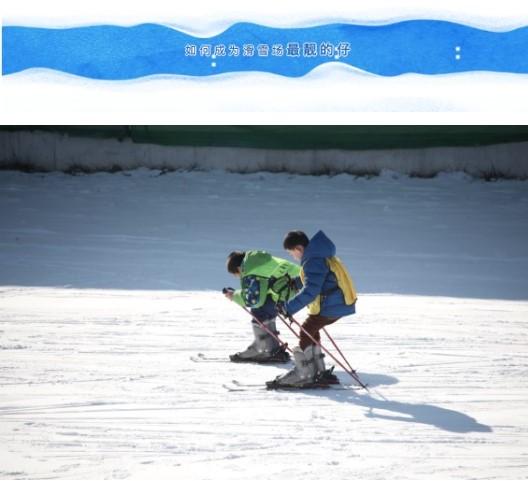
(295, 238)
(234, 261)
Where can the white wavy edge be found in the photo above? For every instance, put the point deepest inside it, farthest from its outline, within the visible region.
(57, 97)
(206, 31)
(328, 69)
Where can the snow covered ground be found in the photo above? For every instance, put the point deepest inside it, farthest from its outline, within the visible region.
(109, 284)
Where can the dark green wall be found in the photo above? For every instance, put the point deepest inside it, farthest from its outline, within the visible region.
(300, 137)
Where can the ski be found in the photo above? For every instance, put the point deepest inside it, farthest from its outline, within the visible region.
(237, 386)
(200, 357)
(203, 358)
(197, 359)
(243, 384)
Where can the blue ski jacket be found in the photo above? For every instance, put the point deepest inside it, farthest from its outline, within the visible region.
(320, 280)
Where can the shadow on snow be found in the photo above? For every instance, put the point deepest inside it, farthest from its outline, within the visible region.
(441, 418)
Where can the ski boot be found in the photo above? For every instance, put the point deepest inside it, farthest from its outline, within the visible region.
(302, 376)
(264, 349)
(279, 355)
(323, 375)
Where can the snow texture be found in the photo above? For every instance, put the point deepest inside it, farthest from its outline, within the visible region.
(51, 152)
(110, 283)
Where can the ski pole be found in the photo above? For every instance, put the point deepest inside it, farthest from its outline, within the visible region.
(261, 324)
(333, 342)
(351, 373)
(339, 351)
(298, 336)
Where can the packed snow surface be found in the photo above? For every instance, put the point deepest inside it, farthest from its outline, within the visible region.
(109, 285)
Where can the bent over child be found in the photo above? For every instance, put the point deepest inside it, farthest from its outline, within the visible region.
(265, 280)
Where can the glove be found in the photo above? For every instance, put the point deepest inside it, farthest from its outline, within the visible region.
(281, 309)
(228, 292)
(292, 284)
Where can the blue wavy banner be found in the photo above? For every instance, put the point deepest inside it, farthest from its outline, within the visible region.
(118, 53)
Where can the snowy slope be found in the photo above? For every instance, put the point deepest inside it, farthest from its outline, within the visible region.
(450, 235)
(109, 284)
(99, 384)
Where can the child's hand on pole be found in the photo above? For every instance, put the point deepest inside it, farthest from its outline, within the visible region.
(281, 308)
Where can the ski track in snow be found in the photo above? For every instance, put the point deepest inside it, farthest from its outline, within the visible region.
(97, 329)
(106, 388)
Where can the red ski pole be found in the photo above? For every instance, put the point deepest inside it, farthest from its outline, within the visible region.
(339, 351)
(261, 324)
(352, 373)
(291, 329)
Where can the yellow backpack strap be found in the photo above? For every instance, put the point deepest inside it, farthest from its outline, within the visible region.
(344, 281)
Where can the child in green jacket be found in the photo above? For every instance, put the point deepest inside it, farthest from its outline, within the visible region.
(265, 280)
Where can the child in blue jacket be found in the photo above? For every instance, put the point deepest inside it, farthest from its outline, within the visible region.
(329, 293)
